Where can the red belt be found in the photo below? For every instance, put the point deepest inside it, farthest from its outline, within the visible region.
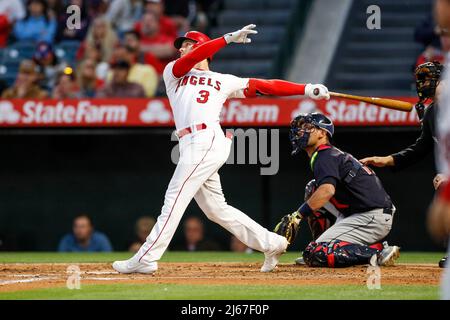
(188, 130)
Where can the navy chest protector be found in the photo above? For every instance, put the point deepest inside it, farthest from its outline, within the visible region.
(348, 177)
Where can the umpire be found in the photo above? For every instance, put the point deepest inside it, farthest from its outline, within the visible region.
(353, 189)
(427, 80)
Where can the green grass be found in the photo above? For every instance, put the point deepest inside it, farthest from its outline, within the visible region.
(55, 257)
(231, 292)
(202, 291)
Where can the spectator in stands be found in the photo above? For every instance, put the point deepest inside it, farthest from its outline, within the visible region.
(191, 13)
(132, 43)
(102, 37)
(428, 35)
(25, 86)
(180, 13)
(237, 246)
(37, 25)
(55, 8)
(78, 34)
(84, 238)
(166, 25)
(88, 83)
(120, 87)
(194, 237)
(97, 8)
(66, 86)
(101, 67)
(49, 64)
(434, 53)
(123, 14)
(425, 32)
(10, 12)
(143, 227)
(153, 41)
(202, 14)
(145, 75)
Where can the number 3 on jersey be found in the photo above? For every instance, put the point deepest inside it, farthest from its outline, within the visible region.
(204, 96)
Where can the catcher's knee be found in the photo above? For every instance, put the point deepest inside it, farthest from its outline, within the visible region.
(326, 254)
(337, 253)
(316, 254)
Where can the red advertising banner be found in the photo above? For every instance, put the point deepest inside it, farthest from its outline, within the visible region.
(259, 112)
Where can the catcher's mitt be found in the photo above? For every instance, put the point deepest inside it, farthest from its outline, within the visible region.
(288, 226)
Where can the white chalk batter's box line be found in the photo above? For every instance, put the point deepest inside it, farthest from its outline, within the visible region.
(36, 278)
(6, 282)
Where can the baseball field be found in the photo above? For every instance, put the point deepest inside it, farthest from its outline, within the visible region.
(210, 275)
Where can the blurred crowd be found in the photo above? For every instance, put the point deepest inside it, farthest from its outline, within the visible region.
(120, 46)
(435, 42)
(85, 238)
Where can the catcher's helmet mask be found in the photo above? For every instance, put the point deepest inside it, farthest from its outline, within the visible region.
(427, 79)
(303, 125)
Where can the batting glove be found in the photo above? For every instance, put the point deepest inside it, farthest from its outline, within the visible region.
(317, 91)
(240, 36)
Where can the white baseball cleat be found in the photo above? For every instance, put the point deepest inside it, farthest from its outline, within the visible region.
(129, 266)
(388, 255)
(300, 261)
(273, 256)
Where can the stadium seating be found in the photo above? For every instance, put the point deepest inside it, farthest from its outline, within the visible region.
(11, 56)
(378, 61)
(257, 59)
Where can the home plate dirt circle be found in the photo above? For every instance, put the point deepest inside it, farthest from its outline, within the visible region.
(25, 276)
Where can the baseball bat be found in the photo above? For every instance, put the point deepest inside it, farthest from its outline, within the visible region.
(382, 102)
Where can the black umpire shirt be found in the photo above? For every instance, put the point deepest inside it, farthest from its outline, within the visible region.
(423, 145)
(358, 189)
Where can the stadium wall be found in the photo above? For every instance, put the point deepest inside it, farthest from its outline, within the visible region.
(117, 175)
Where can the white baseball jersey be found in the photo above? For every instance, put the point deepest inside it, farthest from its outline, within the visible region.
(198, 96)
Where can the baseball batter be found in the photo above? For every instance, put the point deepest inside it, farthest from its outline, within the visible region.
(197, 95)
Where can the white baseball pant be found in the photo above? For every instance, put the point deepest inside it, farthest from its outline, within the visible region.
(202, 153)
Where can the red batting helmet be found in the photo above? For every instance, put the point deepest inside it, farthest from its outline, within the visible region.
(195, 36)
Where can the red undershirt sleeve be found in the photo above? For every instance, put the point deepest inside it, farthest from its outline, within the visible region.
(273, 87)
(184, 64)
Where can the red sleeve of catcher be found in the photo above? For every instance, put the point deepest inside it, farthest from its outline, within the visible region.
(273, 87)
(184, 64)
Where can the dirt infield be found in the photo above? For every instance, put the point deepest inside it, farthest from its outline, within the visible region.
(15, 277)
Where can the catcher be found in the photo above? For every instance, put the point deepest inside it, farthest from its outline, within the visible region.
(366, 210)
(320, 220)
(427, 81)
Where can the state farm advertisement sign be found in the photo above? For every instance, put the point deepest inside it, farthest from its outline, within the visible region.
(157, 113)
